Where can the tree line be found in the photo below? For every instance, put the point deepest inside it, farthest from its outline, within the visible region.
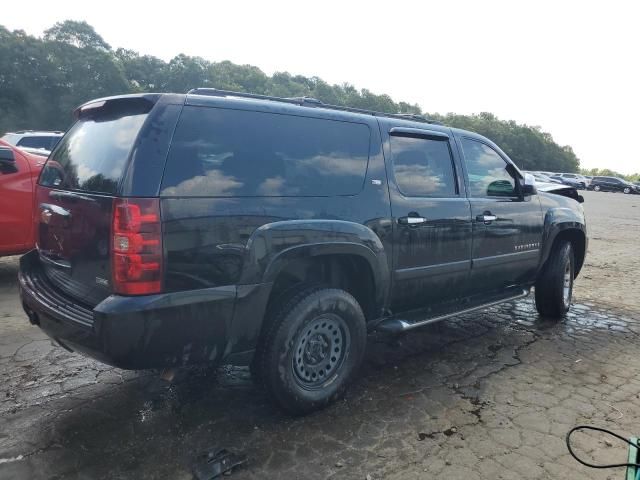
(43, 79)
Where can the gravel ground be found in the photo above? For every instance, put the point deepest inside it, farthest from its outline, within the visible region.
(488, 395)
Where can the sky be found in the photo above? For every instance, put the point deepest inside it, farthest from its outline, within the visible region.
(570, 67)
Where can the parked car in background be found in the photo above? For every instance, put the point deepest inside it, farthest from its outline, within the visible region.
(276, 233)
(541, 177)
(580, 184)
(583, 182)
(573, 179)
(613, 184)
(568, 181)
(19, 172)
(32, 141)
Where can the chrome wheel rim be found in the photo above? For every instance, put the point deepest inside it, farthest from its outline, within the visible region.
(596, 188)
(567, 285)
(627, 190)
(320, 350)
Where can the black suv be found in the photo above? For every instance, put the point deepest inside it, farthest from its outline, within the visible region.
(613, 184)
(275, 233)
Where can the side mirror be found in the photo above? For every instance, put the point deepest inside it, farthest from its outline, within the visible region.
(528, 185)
(7, 160)
(500, 188)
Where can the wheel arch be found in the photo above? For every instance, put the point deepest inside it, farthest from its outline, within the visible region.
(353, 267)
(282, 256)
(573, 232)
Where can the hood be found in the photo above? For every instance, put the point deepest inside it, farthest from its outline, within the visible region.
(560, 189)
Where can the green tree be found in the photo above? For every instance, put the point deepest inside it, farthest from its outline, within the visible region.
(77, 34)
(144, 73)
(185, 72)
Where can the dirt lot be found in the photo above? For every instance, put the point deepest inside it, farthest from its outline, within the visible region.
(489, 395)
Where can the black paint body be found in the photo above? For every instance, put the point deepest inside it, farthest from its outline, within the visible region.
(223, 255)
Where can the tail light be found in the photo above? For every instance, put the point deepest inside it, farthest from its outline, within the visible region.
(136, 246)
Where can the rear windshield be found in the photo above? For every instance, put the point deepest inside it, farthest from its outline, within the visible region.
(226, 153)
(91, 157)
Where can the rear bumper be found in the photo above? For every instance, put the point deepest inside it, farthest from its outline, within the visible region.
(152, 331)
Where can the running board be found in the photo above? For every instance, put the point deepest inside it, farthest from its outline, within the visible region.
(397, 325)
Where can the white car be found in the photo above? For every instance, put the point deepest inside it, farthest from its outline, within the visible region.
(37, 142)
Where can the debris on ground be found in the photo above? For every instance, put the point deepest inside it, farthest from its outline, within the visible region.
(216, 462)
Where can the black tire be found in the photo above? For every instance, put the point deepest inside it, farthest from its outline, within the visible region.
(552, 299)
(278, 303)
(312, 349)
(596, 188)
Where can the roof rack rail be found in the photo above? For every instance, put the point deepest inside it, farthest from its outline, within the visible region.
(308, 102)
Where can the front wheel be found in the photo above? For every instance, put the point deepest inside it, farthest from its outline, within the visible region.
(626, 190)
(554, 287)
(314, 346)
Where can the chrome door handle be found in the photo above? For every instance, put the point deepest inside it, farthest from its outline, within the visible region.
(486, 218)
(412, 220)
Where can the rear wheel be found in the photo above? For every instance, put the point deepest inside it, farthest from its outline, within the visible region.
(596, 188)
(315, 344)
(554, 287)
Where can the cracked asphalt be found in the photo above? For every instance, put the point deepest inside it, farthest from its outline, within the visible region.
(488, 395)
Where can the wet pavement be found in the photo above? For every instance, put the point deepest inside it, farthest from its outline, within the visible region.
(485, 395)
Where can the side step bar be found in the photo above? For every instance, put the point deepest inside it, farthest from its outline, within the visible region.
(397, 325)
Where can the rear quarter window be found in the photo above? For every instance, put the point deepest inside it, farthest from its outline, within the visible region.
(226, 153)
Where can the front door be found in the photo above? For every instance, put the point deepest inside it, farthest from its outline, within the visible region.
(432, 222)
(507, 227)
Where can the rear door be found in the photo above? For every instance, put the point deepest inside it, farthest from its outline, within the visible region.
(74, 199)
(608, 183)
(431, 218)
(507, 228)
(617, 185)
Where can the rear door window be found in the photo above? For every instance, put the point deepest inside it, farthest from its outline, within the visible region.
(423, 167)
(91, 157)
(225, 153)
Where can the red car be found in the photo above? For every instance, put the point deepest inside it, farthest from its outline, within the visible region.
(19, 172)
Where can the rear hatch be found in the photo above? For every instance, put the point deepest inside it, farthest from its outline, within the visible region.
(76, 192)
